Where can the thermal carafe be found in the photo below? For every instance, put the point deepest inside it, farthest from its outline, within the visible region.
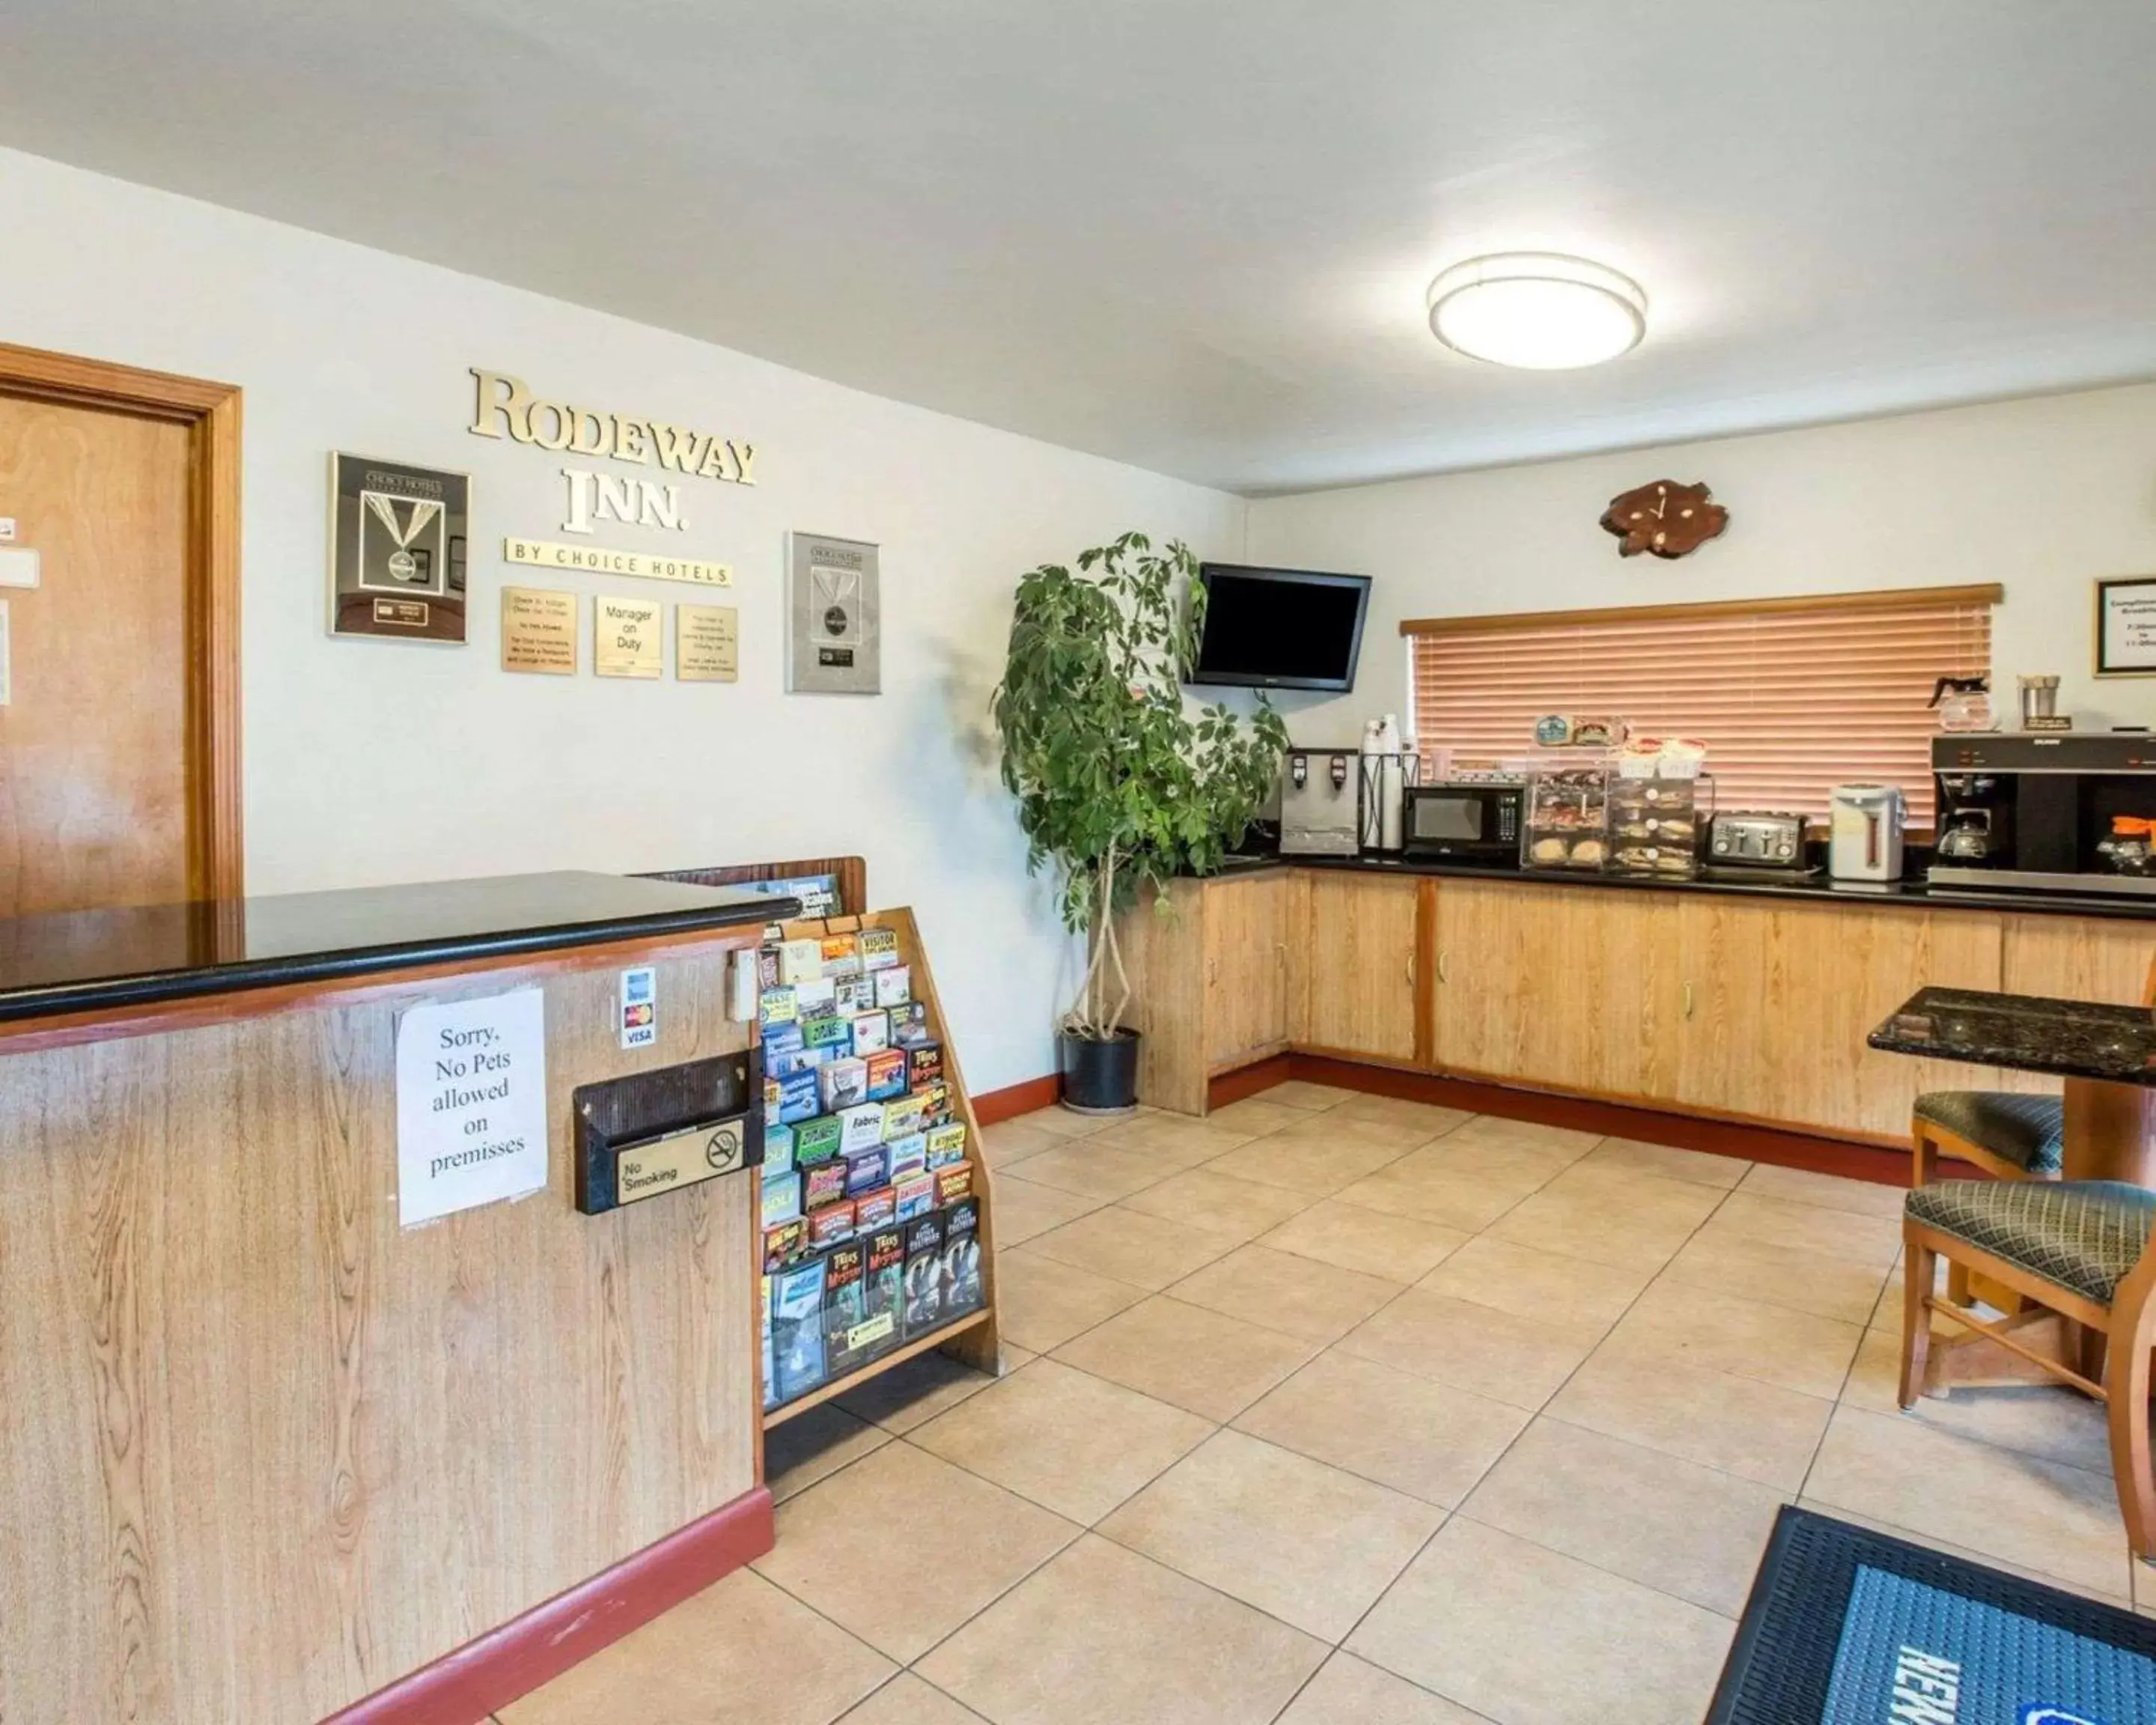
(1864, 832)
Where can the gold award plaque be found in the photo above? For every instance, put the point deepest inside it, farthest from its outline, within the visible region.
(539, 631)
(703, 1153)
(626, 638)
(706, 644)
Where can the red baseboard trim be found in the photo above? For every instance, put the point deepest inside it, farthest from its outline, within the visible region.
(1014, 1099)
(493, 1669)
(1617, 1120)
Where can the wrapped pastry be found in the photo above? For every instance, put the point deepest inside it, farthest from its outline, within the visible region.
(1589, 853)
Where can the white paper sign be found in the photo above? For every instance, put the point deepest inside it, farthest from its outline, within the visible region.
(19, 567)
(471, 1104)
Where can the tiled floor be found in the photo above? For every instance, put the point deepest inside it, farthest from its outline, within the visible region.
(1333, 1409)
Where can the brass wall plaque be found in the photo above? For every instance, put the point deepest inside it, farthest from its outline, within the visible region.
(626, 638)
(599, 561)
(706, 644)
(703, 1153)
(539, 631)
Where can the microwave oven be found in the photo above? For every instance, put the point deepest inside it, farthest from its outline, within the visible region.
(1466, 821)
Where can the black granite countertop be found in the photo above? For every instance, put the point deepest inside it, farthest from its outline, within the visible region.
(1814, 888)
(89, 960)
(2029, 1032)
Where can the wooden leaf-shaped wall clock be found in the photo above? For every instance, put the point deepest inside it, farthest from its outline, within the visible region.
(1665, 518)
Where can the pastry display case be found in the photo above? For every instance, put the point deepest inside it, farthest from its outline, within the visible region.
(1568, 824)
(1655, 824)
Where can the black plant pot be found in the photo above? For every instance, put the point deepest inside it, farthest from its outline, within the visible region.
(1101, 1077)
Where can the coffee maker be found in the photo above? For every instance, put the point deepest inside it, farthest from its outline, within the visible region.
(2038, 812)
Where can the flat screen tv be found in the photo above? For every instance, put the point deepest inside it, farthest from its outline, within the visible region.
(1280, 628)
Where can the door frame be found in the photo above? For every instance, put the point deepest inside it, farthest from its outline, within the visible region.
(210, 412)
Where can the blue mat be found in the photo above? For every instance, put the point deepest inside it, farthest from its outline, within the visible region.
(1848, 1627)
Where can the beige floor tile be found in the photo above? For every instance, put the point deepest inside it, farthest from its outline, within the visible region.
(1147, 1251)
(1744, 1338)
(2049, 1420)
(1563, 1145)
(1428, 1440)
(905, 1699)
(1737, 1425)
(1279, 1291)
(1531, 1637)
(2060, 1520)
(1303, 1542)
(1475, 1348)
(814, 1445)
(1302, 1162)
(1024, 1210)
(1870, 1240)
(1011, 1141)
(2117, 1590)
(1043, 1303)
(1779, 1276)
(913, 1392)
(1428, 1117)
(1633, 1221)
(1348, 1691)
(1827, 1192)
(711, 1661)
(1673, 1525)
(1398, 1248)
(1178, 1140)
(1535, 1284)
(985, 1540)
(1103, 1637)
(1201, 1361)
(1061, 1122)
(1256, 1115)
(1432, 1188)
(1301, 1093)
(1668, 1163)
(1220, 1204)
(1070, 1442)
(1337, 1126)
(1096, 1170)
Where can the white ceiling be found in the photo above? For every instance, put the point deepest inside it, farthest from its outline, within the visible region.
(1194, 234)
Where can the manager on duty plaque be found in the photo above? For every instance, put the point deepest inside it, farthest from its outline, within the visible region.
(625, 638)
(834, 617)
(539, 631)
(398, 535)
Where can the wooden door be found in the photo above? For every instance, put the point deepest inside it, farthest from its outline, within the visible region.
(119, 745)
(1573, 987)
(1359, 991)
(1245, 968)
(1782, 996)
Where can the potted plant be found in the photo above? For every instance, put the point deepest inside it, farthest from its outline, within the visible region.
(1119, 782)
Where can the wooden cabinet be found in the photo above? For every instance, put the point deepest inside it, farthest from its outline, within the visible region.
(1246, 968)
(1575, 988)
(1358, 938)
(2079, 958)
(1779, 998)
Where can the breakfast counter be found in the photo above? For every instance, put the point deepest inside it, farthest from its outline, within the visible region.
(272, 1444)
(1741, 1000)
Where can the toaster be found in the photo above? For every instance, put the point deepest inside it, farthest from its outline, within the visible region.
(1750, 840)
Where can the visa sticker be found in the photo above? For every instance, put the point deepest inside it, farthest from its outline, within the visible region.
(639, 1007)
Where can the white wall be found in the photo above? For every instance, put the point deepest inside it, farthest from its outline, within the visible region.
(2041, 495)
(370, 763)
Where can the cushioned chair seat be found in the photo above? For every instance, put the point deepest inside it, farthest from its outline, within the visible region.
(2029, 1131)
(2083, 1234)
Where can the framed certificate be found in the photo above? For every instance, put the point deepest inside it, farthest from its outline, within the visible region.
(397, 536)
(2126, 627)
(834, 617)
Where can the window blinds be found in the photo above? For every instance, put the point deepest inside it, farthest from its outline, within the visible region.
(1790, 696)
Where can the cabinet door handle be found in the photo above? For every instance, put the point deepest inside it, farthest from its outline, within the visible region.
(1687, 999)
(1443, 966)
(1411, 970)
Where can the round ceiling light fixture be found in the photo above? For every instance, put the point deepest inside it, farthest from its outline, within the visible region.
(1540, 311)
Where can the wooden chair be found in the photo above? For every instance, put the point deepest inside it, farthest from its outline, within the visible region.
(2076, 1249)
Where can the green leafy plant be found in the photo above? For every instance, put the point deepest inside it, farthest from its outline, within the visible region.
(1118, 781)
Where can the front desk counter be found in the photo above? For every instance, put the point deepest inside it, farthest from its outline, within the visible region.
(263, 1450)
(1741, 1000)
